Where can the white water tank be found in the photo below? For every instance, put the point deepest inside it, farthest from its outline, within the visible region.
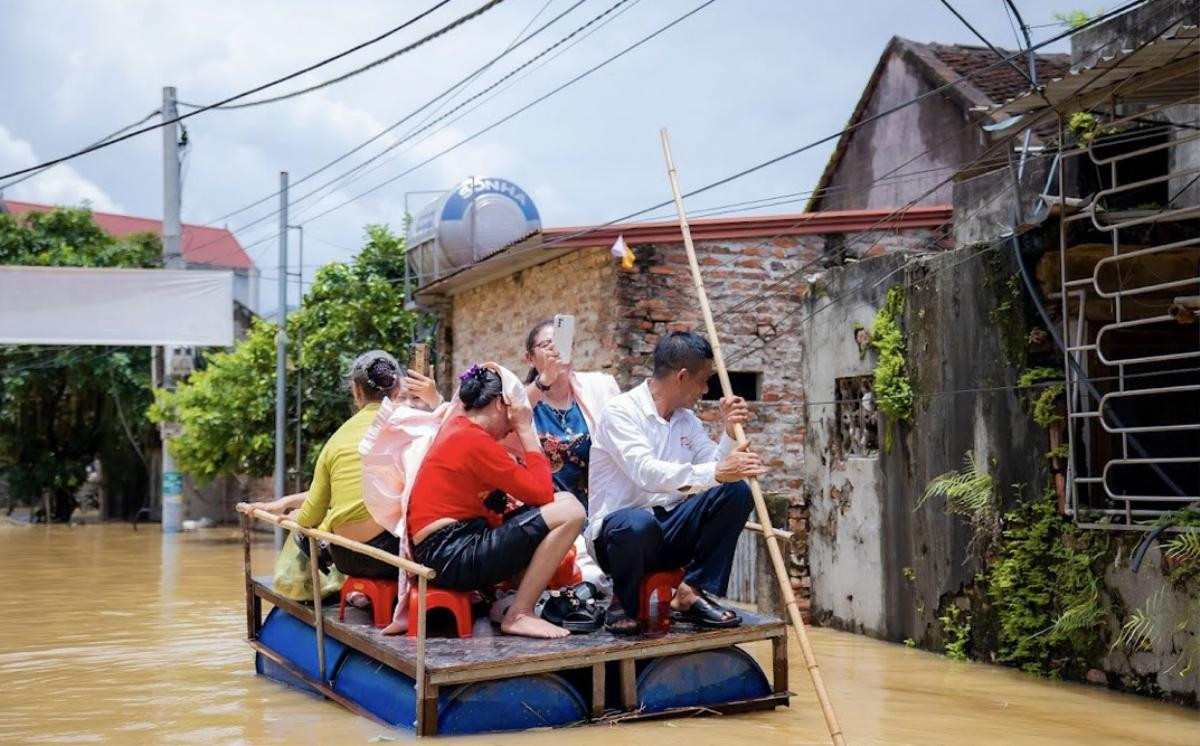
(467, 224)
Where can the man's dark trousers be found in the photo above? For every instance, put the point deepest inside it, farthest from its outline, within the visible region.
(699, 535)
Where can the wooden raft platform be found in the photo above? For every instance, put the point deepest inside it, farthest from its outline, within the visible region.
(451, 661)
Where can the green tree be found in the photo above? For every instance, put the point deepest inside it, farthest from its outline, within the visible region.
(62, 408)
(227, 410)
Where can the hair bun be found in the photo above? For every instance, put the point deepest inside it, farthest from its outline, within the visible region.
(382, 374)
(478, 386)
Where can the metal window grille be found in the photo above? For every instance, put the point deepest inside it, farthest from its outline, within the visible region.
(1134, 441)
(857, 417)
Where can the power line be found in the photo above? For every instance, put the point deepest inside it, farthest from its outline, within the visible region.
(624, 9)
(396, 124)
(243, 94)
(413, 113)
(374, 63)
(733, 177)
(992, 245)
(759, 166)
(104, 139)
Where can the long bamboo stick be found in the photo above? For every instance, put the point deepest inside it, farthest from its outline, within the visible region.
(419, 570)
(760, 505)
(318, 612)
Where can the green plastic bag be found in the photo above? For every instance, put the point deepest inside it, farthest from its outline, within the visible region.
(293, 579)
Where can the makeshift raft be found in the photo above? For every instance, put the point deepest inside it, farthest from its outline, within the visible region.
(441, 686)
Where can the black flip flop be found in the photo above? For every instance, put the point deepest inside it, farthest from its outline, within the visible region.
(614, 617)
(584, 618)
(706, 612)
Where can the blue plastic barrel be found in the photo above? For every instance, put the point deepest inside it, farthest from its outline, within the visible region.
(701, 679)
(296, 642)
(481, 707)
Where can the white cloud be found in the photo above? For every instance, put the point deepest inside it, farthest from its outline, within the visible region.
(60, 185)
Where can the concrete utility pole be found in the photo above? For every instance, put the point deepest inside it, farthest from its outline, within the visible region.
(172, 233)
(299, 370)
(281, 348)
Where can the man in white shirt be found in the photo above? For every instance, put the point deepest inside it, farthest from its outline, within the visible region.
(663, 495)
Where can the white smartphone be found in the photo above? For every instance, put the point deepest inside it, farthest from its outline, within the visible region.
(564, 336)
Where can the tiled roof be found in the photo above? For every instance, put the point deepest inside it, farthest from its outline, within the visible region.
(990, 84)
(215, 247)
(1000, 83)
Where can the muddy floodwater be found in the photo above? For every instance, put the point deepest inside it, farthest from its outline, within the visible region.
(116, 636)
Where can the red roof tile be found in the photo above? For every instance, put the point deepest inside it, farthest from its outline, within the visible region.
(216, 247)
(1001, 82)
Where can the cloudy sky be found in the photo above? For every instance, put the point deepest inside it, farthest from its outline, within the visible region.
(736, 83)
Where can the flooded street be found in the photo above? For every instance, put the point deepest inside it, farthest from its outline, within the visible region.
(117, 636)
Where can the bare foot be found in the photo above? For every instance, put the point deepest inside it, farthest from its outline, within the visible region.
(528, 625)
(396, 628)
(684, 598)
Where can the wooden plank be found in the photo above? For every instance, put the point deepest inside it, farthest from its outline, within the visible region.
(629, 698)
(769, 702)
(427, 712)
(319, 686)
(779, 664)
(598, 684)
(563, 661)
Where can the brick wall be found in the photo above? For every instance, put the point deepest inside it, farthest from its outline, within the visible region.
(490, 322)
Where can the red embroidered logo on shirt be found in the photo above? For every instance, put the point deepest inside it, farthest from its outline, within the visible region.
(683, 441)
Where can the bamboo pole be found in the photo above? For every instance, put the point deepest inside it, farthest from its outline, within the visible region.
(318, 612)
(419, 570)
(764, 519)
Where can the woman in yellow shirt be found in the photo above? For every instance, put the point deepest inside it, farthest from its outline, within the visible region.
(334, 500)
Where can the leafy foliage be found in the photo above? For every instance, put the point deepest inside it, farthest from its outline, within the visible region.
(956, 631)
(1184, 548)
(969, 492)
(1146, 627)
(62, 408)
(893, 390)
(1073, 19)
(1037, 375)
(1044, 587)
(1045, 407)
(227, 410)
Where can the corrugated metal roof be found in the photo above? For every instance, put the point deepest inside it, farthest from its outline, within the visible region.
(1162, 70)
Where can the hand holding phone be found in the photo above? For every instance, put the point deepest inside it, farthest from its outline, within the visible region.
(564, 336)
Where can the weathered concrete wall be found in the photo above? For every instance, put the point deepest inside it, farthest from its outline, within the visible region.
(1166, 661)
(1129, 30)
(880, 561)
(931, 138)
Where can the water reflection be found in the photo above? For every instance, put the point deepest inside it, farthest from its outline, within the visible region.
(116, 636)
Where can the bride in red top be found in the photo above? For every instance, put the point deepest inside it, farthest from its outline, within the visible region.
(456, 510)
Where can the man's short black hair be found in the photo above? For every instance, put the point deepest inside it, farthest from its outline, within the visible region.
(677, 350)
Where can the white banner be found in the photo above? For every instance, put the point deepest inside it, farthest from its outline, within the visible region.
(86, 306)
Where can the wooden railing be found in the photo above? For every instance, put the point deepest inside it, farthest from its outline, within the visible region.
(424, 575)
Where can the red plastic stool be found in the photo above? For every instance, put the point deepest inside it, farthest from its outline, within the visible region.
(567, 574)
(662, 583)
(457, 603)
(381, 592)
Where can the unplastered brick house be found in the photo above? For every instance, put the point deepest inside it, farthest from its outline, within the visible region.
(756, 271)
